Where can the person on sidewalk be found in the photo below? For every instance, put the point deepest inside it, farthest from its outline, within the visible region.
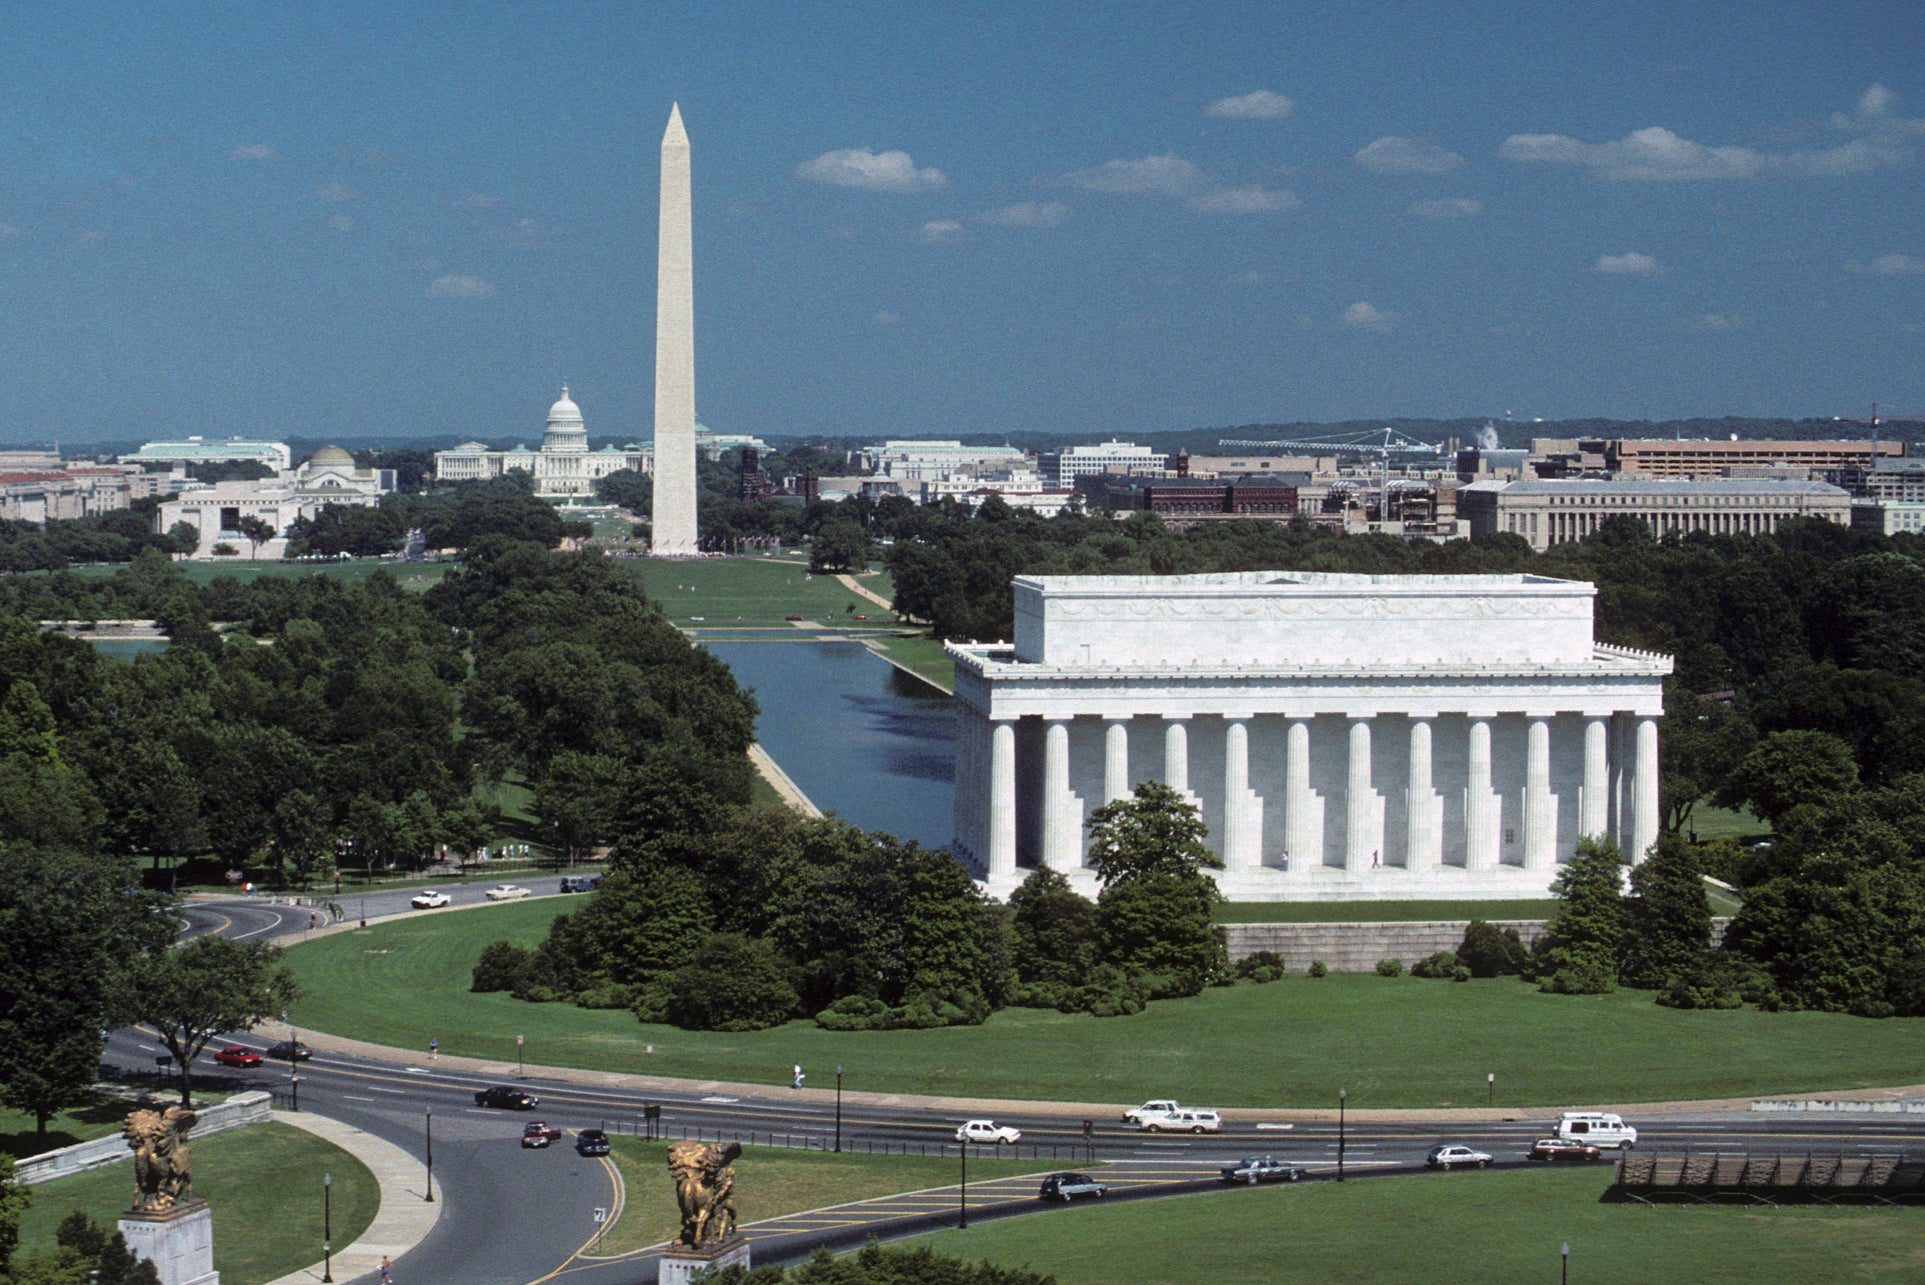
(798, 1076)
(387, 1277)
(434, 1048)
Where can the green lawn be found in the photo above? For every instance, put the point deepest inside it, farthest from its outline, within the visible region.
(749, 591)
(77, 1124)
(1450, 1229)
(1369, 912)
(771, 1181)
(264, 1185)
(1720, 823)
(1392, 1042)
(412, 575)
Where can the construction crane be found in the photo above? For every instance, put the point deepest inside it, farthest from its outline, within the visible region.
(1366, 443)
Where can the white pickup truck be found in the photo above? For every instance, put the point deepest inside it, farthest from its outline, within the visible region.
(1154, 1107)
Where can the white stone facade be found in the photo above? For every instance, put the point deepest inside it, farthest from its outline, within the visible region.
(1345, 736)
(563, 469)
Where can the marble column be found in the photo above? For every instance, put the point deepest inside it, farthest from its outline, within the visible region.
(1362, 837)
(1176, 754)
(1593, 806)
(1062, 817)
(1481, 813)
(1302, 809)
(1423, 808)
(1540, 808)
(1116, 759)
(1644, 809)
(1242, 815)
(1002, 801)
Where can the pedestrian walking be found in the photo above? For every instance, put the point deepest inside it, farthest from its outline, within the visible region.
(387, 1276)
(798, 1075)
(434, 1048)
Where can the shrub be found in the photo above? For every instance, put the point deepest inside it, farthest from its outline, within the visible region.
(503, 966)
(1441, 965)
(1109, 993)
(1390, 968)
(733, 983)
(1318, 968)
(1490, 951)
(1579, 979)
(1261, 966)
(1036, 994)
(854, 1013)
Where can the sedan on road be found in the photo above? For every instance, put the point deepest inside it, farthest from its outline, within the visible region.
(1455, 1157)
(539, 1133)
(1070, 1186)
(235, 1055)
(591, 1142)
(430, 900)
(290, 1051)
(987, 1131)
(1255, 1169)
(505, 892)
(1563, 1150)
(506, 1098)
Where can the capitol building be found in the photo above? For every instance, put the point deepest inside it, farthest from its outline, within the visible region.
(564, 468)
(1345, 737)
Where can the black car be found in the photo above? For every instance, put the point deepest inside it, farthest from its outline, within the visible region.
(591, 1142)
(507, 1098)
(290, 1051)
(1069, 1186)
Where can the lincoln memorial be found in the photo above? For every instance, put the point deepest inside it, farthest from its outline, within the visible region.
(1346, 737)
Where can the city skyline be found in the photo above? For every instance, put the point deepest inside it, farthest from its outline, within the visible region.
(1095, 220)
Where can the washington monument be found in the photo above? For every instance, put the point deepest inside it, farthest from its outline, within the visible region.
(674, 527)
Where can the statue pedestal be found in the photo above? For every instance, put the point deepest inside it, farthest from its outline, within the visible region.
(681, 1264)
(179, 1243)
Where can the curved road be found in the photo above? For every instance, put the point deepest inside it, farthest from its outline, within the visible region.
(514, 1217)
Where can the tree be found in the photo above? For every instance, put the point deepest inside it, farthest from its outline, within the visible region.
(733, 983)
(839, 546)
(1055, 929)
(14, 1199)
(212, 984)
(1159, 926)
(1155, 831)
(1789, 768)
(1578, 953)
(1668, 917)
(256, 530)
(579, 797)
(1701, 742)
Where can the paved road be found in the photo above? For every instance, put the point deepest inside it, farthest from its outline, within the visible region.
(514, 1217)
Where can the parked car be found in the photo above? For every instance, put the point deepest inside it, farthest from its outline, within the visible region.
(235, 1055)
(580, 883)
(1455, 1157)
(290, 1051)
(1155, 1106)
(507, 1098)
(505, 892)
(792, 616)
(987, 1131)
(539, 1133)
(1185, 1120)
(1255, 1169)
(430, 900)
(1598, 1128)
(591, 1142)
(1069, 1186)
(1556, 1149)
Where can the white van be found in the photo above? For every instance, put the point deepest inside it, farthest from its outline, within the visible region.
(1598, 1128)
(1183, 1120)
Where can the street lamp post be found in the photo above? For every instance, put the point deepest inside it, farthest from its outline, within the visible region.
(962, 1199)
(1564, 1258)
(838, 1107)
(1342, 1096)
(1490, 1089)
(430, 1155)
(327, 1228)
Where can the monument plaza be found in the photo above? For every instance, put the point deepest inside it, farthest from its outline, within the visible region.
(1346, 737)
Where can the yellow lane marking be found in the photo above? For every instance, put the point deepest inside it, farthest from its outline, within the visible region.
(615, 1199)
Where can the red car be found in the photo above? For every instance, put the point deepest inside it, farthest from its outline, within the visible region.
(1563, 1149)
(538, 1134)
(235, 1055)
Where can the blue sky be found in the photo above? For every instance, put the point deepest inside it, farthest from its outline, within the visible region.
(390, 220)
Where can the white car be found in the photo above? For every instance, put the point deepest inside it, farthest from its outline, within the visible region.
(987, 1131)
(1155, 1106)
(1183, 1120)
(506, 892)
(429, 900)
(1454, 1157)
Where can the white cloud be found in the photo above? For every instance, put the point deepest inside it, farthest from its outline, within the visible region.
(456, 285)
(1631, 264)
(941, 232)
(336, 192)
(1150, 176)
(526, 234)
(254, 152)
(1888, 265)
(1719, 322)
(341, 222)
(1449, 207)
(1407, 156)
(1260, 104)
(1245, 200)
(1364, 316)
(1026, 214)
(871, 171)
(885, 318)
(478, 201)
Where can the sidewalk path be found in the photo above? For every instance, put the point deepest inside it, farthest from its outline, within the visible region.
(779, 781)
(403, 1219)
(849, 582)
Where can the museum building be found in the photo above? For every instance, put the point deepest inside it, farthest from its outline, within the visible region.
(1346, 737)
